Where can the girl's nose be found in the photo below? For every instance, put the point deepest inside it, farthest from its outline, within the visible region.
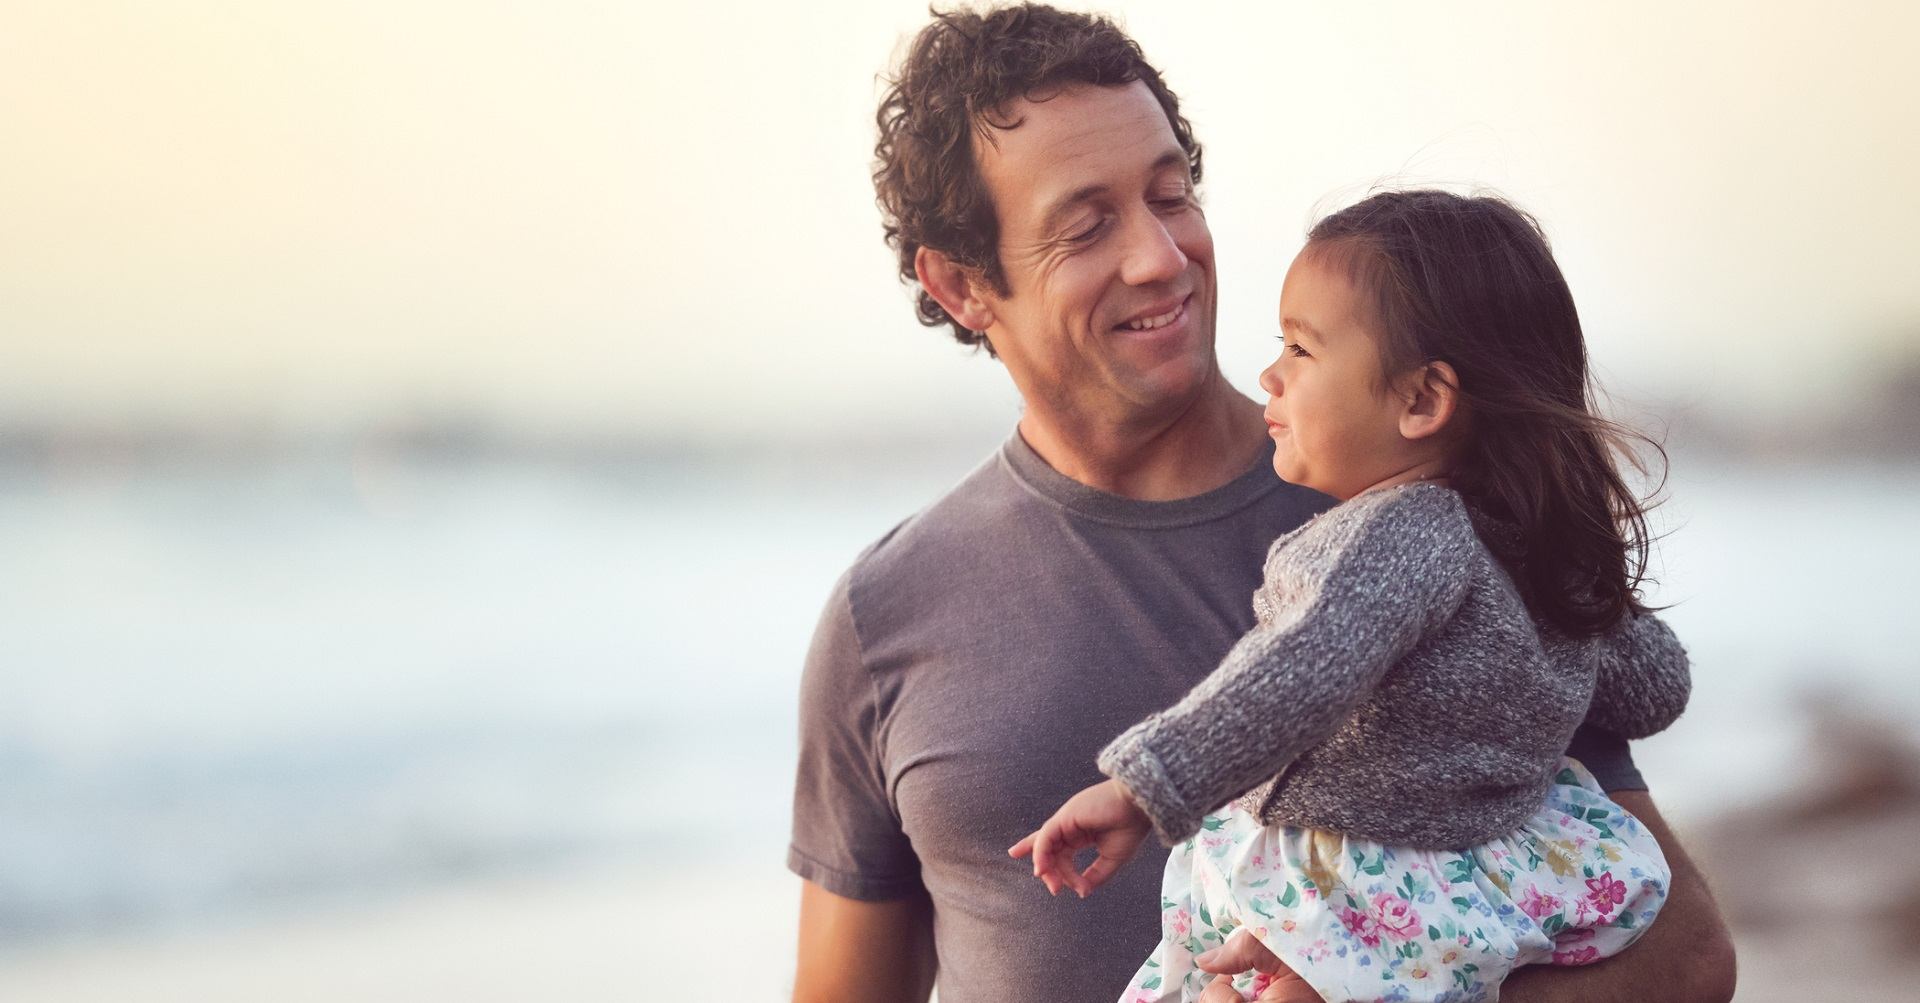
(1270, 379)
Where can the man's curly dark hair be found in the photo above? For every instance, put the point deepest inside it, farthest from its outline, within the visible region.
(959, 75)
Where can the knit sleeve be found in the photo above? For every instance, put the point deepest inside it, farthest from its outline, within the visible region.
(1388, 572)
(1642, 681)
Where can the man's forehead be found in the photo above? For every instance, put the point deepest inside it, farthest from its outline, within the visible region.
(1069, 138)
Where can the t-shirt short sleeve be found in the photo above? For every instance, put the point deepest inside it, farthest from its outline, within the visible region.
(847, 837)
(1605, 755)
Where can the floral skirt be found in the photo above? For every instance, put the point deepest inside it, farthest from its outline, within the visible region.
(1361, 921)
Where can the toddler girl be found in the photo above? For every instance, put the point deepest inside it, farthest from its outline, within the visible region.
(1400, 822)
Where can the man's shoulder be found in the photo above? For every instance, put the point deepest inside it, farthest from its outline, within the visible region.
(948, 529)
(895, 581)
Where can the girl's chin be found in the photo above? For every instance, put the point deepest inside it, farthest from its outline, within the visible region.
(1299, 478)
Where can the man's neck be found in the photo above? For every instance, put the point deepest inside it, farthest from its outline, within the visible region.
(1200, 447)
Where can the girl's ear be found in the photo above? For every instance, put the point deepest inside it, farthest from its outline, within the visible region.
(952, 286)
(1433, 396)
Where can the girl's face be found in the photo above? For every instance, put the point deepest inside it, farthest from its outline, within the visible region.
(1335, 426)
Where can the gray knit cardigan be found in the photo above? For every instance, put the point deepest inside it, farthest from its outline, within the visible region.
(1394, 688)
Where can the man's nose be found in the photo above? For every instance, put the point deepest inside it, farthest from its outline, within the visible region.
(1152, 254)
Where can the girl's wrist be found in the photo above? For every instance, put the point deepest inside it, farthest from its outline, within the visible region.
(1132, 802)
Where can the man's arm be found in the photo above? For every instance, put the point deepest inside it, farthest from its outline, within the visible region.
(1686, 956)
(866, 924)
(863, 952)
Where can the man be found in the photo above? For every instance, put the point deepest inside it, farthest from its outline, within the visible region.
(1038, 183)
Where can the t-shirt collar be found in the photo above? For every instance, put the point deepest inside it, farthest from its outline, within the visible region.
(1039, 477)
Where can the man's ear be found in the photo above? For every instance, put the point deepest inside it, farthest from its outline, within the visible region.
(1433, 398)
(953, 287)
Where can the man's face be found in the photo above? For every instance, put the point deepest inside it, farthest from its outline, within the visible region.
(1107, 256)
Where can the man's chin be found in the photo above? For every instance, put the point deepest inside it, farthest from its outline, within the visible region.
(1174, 382)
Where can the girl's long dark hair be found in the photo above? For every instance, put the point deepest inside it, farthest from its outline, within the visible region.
(1470, 280)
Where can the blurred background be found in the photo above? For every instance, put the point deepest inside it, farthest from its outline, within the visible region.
(428, 431)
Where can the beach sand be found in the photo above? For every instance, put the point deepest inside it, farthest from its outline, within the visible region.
(613, 935)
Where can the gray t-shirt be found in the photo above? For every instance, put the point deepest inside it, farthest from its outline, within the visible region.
(965, 673)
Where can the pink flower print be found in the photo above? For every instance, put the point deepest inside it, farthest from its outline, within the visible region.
(1179, 925)
(1605, 892)
(1259, 861)
(1316, 951)
(1361, 925)
(1396, 916)
(1438, 878)
(1538, 906)
(1579, 956)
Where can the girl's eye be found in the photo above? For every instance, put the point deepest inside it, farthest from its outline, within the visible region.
(1298, 352)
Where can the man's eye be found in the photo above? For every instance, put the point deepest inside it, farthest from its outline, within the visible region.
(1087, 233)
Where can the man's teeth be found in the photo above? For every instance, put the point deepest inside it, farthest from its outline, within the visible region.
(1149, 323)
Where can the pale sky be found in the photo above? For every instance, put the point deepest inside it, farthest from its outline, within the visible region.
(589, 217)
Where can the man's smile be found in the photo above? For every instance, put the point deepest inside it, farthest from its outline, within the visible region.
(1166, 313)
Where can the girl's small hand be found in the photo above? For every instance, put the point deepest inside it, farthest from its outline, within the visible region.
(1103, 817)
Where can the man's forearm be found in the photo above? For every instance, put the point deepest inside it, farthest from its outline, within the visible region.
(1686, 956)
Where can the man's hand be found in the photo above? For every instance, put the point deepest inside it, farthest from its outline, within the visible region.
(1242, 953)
(1103, 817)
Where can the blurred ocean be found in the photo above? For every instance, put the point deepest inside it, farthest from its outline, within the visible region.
(231, 688)
(239, 689)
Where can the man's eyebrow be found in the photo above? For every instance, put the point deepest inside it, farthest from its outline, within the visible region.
(1085, 193)
(1168, 159)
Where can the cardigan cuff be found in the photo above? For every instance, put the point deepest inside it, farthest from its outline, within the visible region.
(1128, 760)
